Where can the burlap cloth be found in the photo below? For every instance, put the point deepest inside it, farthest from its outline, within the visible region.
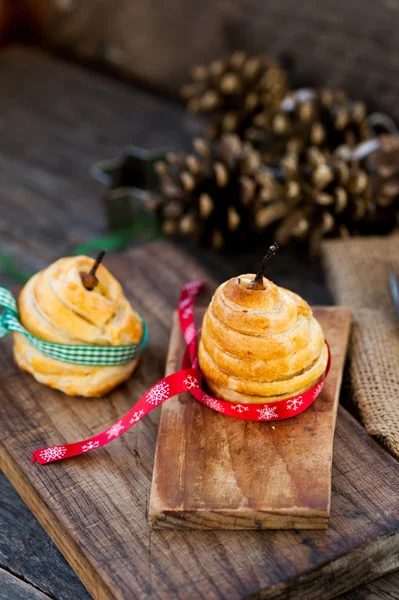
(357, 272)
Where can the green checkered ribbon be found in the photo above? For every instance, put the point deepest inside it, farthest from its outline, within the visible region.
(93, 356)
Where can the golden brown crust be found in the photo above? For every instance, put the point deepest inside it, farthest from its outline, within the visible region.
(239, 294)
(256, 321)
(264, 346)
(259, 370)
(260, 344)
(55, 306)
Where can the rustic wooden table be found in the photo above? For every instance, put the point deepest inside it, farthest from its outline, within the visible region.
(56, 119)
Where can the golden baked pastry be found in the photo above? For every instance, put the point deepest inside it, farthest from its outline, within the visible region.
(55, 306)
(260, 344)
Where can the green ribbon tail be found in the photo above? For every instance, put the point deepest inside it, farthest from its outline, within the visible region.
(143, 230)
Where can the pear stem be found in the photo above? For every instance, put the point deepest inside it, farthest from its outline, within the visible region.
(257, 283)
(89, 279)
(99, 258)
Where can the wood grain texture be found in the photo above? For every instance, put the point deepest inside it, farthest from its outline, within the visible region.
(158, 43)
(26, 551)
(12, 588)
(215, 472)
(385, 588)
(95, 507)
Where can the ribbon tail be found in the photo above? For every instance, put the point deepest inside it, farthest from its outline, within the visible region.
(188, 295)
(166, 388)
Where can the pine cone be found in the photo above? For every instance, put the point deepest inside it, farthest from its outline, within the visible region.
(384, 175)
(325, 197)
(235, 90)
(325, 119)
(217, 194)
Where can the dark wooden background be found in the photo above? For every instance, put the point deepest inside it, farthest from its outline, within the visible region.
(353, 43)
(56, 119)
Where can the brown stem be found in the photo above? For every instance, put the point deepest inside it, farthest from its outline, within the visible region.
(89, 279)
(257, 283)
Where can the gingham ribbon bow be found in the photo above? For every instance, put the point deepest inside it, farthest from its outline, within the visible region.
(93, 356)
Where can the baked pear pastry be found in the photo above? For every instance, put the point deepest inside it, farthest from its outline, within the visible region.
(55, 306)
(260, 343)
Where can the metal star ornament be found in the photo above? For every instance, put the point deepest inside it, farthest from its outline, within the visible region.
(131, 185)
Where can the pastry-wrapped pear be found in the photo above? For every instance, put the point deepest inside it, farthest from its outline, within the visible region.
(260, 343)
(56, 306)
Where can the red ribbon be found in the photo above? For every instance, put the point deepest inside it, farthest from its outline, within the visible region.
(189, 379)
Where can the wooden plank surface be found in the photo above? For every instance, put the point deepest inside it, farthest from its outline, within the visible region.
(42, 136)
(26, 552)
(95, 507)
(213, 472)
(384, 588)
(12, 587)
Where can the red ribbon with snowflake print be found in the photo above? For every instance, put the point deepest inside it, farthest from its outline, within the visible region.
(189, 379)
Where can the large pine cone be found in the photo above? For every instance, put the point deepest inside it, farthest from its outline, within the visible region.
(234, 91)
(219, 195)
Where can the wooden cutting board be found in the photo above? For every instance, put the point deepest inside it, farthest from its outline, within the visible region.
(95, 507)
(213, 471)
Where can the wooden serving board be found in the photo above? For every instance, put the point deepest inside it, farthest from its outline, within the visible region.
(95, 507)
(213, 471)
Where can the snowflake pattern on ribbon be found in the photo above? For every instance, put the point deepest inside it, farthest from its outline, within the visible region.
(158, 393)
(90, 446)
(267, 412)
(239, 408)
(54, 453)
(318, 389)
(115, 430)
(190, 333)
(295, 403)
(187, 313)
(191, 382)
(184, 303)
(192, 287)
(212, 403)
(136, 416)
